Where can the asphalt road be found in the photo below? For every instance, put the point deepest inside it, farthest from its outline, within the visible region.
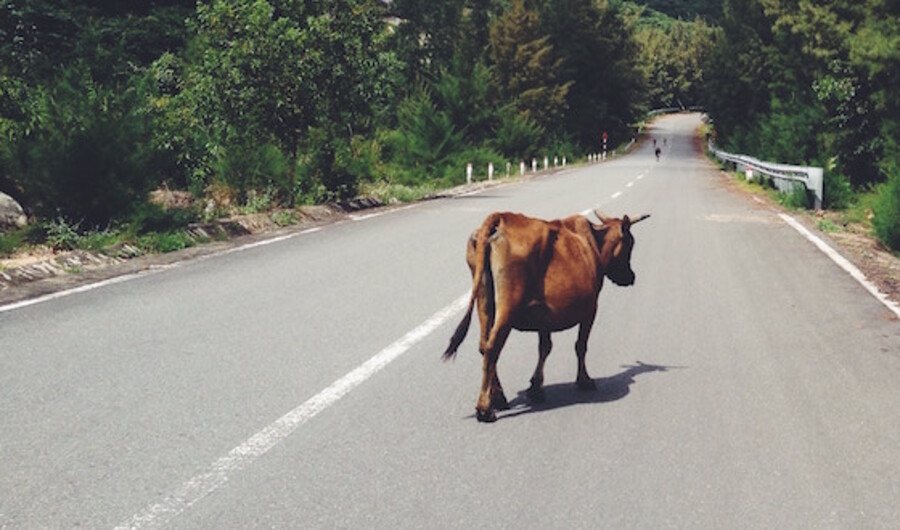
(745, 381)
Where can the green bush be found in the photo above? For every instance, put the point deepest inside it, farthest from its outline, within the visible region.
(10, 242)
(886, 211)
(838, 194)
(454, 172)
(165, 242)
(326, 172)
(797, 198)
(259, 167)
(85, 158)
(359, 159)
(517, 137)
(61, 235)
(427, 136)
(153, 218)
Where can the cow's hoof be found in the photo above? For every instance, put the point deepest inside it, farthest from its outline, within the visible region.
(487, 416)
(536, 394)
(586, 384)
(499, 402)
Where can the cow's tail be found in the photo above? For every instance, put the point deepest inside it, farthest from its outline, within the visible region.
(482, 267)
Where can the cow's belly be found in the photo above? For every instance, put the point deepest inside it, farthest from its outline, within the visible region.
(540, 316)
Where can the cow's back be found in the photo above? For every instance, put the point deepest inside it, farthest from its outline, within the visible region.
(546, 268)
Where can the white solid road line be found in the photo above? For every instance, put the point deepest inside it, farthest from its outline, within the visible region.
(843, 263)
(81, 289)
(153, 269)
(243, 455)
(363, 217)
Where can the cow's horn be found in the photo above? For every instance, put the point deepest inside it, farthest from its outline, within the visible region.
(603, 219)
(640, 218)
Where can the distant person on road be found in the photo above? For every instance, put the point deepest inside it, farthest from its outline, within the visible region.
(658, 151)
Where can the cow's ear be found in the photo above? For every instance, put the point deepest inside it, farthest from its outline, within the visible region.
(599, 230)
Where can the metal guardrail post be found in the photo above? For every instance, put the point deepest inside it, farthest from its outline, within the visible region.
(817, 184)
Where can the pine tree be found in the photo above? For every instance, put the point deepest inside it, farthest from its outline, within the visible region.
(526, 66)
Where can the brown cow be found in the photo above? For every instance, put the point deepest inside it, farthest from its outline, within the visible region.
(543, 276)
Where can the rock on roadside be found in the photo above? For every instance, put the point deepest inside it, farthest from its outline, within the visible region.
(12, 216)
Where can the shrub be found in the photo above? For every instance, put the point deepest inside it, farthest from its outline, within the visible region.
(797, 198)
(517, 137)
(886, 211)
(86, 158)
(838, 194)
(61, 235)
(324, 172)
(154, 218)
(246, 168)
(427, 135)
(454, 172)
(257, 202)
(165, 242)
(10, 242)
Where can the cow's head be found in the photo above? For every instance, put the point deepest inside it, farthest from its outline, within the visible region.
(616, 242)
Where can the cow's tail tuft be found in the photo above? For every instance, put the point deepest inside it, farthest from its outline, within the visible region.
(461, 329)
(482, 266)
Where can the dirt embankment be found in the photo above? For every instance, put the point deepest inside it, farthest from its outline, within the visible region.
(41, 270)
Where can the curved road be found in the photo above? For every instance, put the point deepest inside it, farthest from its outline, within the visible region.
(745, 381)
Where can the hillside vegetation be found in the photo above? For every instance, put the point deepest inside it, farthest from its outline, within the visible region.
(265, 104)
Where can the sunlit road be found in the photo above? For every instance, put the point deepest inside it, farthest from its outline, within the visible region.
(745, 381)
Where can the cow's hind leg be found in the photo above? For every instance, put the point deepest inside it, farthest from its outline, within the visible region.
(536, 390)
(498, 398)
(583, 381)
(490, 353)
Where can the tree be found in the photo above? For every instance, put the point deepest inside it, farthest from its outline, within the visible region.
(600, 58)
(709, 10)
(75, 136)
(426, 36)
(273, 72)
(526, 66)
(674, 57)
(737, 78)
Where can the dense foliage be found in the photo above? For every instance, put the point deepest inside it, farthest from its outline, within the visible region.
(305, 101)
(818, 82)
(297, 101)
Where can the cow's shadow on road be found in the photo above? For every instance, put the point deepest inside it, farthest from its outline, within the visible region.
(612, 388)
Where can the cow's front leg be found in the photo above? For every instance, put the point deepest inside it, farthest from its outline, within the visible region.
(583, 381)
(536, 390)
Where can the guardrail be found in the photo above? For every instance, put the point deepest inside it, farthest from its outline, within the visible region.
(784, 176)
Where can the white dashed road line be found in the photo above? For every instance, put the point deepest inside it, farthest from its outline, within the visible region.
(217, 474)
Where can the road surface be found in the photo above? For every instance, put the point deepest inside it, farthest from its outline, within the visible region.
(745, 380)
